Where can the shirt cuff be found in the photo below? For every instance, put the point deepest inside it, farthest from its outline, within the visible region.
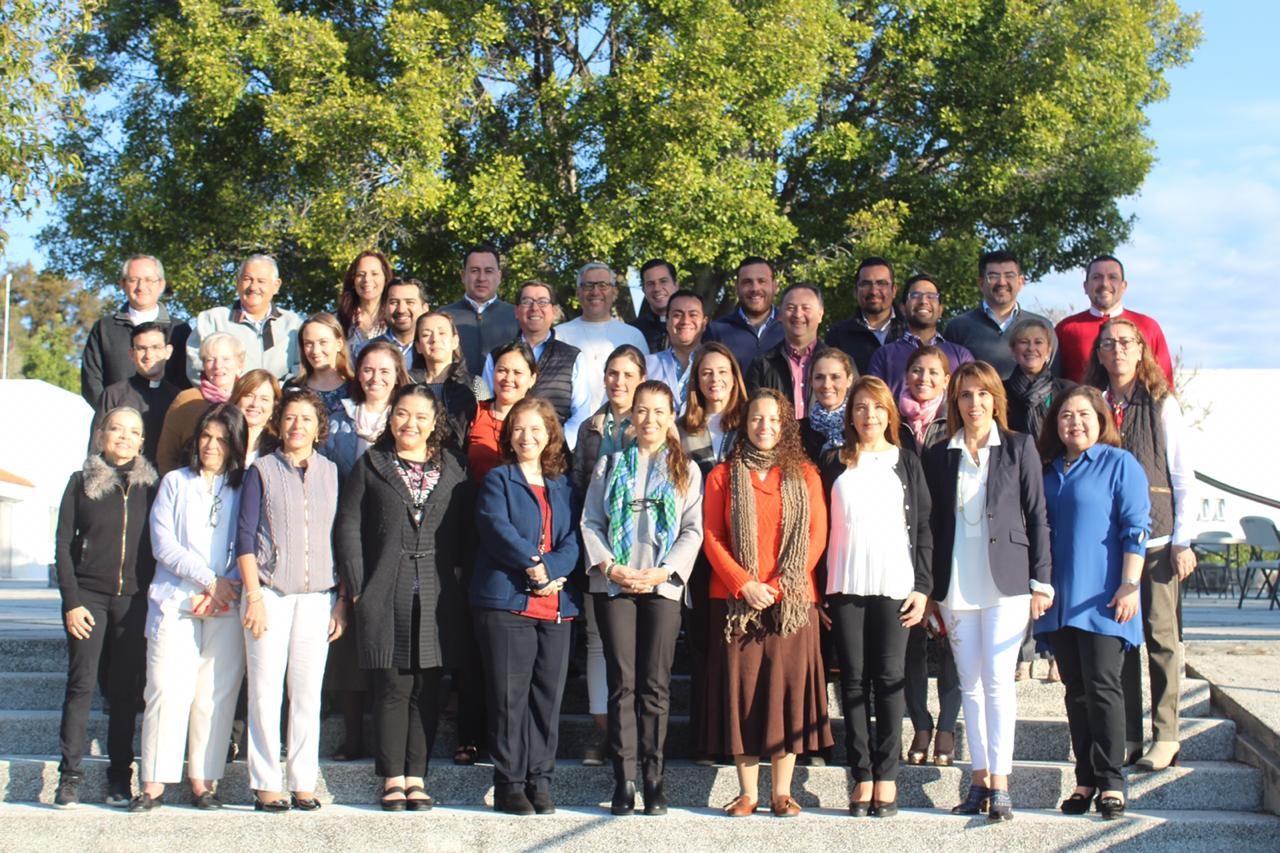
(1040, 586)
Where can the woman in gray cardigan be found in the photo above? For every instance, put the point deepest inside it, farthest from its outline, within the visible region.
(399, 539)
(642, 530)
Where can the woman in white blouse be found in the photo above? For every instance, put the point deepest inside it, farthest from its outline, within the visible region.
(991, 568)
(195, 649)
(878, 582)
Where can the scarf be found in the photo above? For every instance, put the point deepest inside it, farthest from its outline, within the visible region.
(1034, 393)
(659, 499)
(1119, 405)
(212, 393)
(793, 553)
(368, 426)
(919, 415)
(829, 423)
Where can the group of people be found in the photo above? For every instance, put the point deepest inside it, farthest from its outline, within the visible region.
(366, 500)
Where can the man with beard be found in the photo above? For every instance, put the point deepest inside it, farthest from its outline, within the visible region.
(984, 331)
(406, 302)
(923, 307)
(876, 322)
(753, 327)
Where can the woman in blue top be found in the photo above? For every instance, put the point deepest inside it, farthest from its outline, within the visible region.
(523, 604)
(1099, 513)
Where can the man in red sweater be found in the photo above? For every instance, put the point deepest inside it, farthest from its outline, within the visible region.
(1105, 286)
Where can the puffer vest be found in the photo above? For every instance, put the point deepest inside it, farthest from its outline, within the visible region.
(555, 376)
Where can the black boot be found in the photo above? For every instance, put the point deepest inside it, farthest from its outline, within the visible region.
(655, 799)
(624, 798)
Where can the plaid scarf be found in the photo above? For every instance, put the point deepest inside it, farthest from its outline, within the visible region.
(659, 498)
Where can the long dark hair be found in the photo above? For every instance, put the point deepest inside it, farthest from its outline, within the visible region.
(231, 419)
(1050, 443)
(695, 412)
(349, 301)
(355, 390)
(791, 457)
(440, 433)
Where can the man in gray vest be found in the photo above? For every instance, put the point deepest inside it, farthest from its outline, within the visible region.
(983, 330)
(108, 352)
(560, 365)
(269, 333)
(484, 321)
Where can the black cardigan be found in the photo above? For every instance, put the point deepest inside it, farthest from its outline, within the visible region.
(376, 542)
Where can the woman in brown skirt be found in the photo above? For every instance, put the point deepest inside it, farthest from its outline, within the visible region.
(766, 527)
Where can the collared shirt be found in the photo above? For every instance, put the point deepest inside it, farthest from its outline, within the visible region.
(972, 585)
(798, 362)
(881, 331)
(406, 350)
(480, 306)
(137, 317)
(579, 401)
(1116, 311)
(761, 327)
(890, 361)
(271, 344)
(665, 367)
(1007, 321)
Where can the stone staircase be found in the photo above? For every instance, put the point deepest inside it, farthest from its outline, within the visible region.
(1210, 802)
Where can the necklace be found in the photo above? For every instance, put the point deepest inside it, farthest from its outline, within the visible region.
(962, 502)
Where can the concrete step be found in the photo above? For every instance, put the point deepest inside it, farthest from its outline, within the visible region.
(1213, 785)
(1036, 739)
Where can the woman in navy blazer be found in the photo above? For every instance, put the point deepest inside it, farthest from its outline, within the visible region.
(522, 603)
(991, 568)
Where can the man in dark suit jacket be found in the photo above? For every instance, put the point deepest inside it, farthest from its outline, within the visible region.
(788, 366)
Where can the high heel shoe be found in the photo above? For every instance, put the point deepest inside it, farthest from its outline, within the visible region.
(1162, 754)
(977, 802)
(624, 799)
(1078, 803)
(919, 749)
(1111, 807)
(944, 749)
(879, 809)
(1132, 752)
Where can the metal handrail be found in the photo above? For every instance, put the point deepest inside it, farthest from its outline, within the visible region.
(1240, 493)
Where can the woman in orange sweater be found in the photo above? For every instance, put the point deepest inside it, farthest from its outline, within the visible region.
(766, 527)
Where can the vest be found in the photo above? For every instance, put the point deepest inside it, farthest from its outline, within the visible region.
(1143, 436)
(555, 376)
(298, 513)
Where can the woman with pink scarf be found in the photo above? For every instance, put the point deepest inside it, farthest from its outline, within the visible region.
(222, 362)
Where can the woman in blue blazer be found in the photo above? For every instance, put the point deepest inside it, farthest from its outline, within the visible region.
(523, 604)
(991, 568)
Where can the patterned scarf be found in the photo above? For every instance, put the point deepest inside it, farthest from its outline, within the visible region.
(919, 415)
(212, 393)
(829, 423)
(793, 553)
(659, 499)
(1034, 392)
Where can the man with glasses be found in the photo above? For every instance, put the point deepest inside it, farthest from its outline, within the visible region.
(560, 366)
(658, 279)
(1105, 285)
(483, 320)
(146, 390)
(923, 307)
(877, 322)
(984, 330)
(108, 354)
(597, 332)
(268, 332)
(753, 328)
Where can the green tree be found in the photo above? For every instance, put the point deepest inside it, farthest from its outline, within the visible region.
(40, 95)
(812, 131)
(50, 318)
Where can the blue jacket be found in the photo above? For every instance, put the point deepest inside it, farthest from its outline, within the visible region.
(733, 331)
(509, 525)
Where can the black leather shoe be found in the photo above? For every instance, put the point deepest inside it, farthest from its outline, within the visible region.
(624, 799)
(309, 804)
(655, 799)
(541, 800)
(1077, 803)
(1110, 807)
(888, 809)
(513, 802)
(146, 802)
(275, 806)
(1001, 806)
(208, 801)
(976, 803)
(859, 808)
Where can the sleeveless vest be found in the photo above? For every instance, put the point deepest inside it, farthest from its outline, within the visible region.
(1143, 436)
(555, 376)
(298, 513)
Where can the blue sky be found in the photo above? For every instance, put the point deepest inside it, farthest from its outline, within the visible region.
(1205, 250)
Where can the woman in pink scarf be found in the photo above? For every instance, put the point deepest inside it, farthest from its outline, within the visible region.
(923, 397)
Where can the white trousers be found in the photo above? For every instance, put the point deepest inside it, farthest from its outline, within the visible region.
(985, 644)
(290, 653)
(597, 672)
(194, 669)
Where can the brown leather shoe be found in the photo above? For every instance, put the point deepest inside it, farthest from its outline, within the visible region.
(785, 806)
(743, 806)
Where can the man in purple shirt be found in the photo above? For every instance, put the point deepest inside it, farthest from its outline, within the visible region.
(923, 304)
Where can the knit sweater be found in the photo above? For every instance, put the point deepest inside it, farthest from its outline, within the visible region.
(1077, 333)
(286, 514)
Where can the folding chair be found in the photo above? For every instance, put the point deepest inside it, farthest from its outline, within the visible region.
(1261, 535)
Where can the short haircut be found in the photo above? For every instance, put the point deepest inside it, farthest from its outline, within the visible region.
(654, 264)
(686, 293)
(1050, 442)
(554, 459)
(293, 397)
(751, 260)
(124, 267)
(230, 418)
(595, 265)
(919, 277)
(408, 282)
(481, 249)
(873, 261)
(146, 329)
(207, 344)
(1025, 324)
(1097, 258)
(258, 257)
(990, 381)
(999, 256)
(551, 292)
(800, 285)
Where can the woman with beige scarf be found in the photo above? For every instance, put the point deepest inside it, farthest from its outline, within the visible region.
(765, 530)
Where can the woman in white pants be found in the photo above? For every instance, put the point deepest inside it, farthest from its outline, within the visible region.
(290, 614)
(991, 568)
(195, 649)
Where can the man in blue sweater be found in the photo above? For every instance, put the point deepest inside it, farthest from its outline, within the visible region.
(752, 328)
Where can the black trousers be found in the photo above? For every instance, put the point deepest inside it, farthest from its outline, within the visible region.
(639, 633)
(872, 645)
(1090, 665)
(118, 623)
(406, 712)
(697, 634)
(917, 691)
(528, 660)
(469, 678)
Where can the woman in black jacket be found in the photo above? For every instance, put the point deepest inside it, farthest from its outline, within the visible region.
(400, 549)
(438, 364)
(104, 567)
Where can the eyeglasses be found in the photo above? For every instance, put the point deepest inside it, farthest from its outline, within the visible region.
(878, 285)
(1117, 343)
(594, 285)
(996, 278)
(530, 302)
(154, 348)
(215, 510)
(643, 503)
(925, 296)
(149, 281)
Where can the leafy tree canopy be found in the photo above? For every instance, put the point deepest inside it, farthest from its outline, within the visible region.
(811, 131)
(49, 323)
